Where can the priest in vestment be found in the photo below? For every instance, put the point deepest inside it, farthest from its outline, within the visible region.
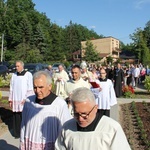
(89, 129)
(74, 83)
(118, 80)
(21, 86)
(60, 79)
(43, 115)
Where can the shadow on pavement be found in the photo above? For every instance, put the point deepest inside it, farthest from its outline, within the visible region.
(5, 146)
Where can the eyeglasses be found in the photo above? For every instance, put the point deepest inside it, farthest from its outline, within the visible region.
(102, 73)
(84, 116)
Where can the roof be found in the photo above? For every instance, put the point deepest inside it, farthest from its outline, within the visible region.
(77, 52)
(127, 54)
(103, 54)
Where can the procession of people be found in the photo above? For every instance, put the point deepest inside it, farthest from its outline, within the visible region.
(55, 107)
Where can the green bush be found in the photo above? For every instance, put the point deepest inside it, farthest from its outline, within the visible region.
(5, 81)
(147, 83)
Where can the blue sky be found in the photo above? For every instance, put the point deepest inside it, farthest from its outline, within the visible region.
(116, 18)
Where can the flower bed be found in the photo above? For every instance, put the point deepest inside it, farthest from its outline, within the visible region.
(135, 120)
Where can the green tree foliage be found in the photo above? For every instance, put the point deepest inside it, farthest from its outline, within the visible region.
(72, 38)
(145, 52)
(34, 56)
(39, 39)
(57, 53)
(74, 34)
(109, 60)
(141, 48)
(90, 53)
(27, 32)
(147, 34)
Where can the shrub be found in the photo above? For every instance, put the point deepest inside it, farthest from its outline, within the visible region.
(147, 83)
(128, 92)
(5, 81)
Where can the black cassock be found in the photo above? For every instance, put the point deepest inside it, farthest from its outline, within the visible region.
(118, 78)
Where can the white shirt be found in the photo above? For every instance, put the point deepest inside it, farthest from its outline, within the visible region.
(136, 72)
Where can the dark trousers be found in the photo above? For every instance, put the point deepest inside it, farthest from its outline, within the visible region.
(105, 112)
(17, 117)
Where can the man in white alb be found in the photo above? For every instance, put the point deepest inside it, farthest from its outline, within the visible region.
(105, 95)
(21, 86)
(60, 79)
(43, 115)
(89, 130)
(74, 83)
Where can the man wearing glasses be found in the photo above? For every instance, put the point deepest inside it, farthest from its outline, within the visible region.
(105, 96)
(89, 130)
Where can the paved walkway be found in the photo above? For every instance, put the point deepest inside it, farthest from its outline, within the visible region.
(8, 142)
(5, 93)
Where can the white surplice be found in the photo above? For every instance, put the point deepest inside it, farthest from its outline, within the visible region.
(41, 124)
(108, 135)
(105, 97)
(20, 88)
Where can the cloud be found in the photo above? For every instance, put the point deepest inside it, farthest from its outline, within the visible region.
(60, 20)
(140, 3)
(92, 27)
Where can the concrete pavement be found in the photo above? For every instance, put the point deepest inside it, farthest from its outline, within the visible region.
(5, 93)
(7, 141)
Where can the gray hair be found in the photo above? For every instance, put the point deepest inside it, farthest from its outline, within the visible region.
(82, 94)
(21, 62)
(38, 74)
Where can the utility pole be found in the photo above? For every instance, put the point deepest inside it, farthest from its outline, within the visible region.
(2, 48)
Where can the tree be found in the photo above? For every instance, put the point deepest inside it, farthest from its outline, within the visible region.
(109, 60)
(147, 34)
(73, 35)
(23, 32)
(141, 49)
(57, 53)
(72, 39)
(145, 52)
(90, 52)
(39, 39)
(34, 56)
(136, 37)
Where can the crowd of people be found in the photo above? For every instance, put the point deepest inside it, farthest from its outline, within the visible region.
(131, 75)
(54, 110)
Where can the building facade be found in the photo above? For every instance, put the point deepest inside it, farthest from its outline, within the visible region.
(108, 46)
